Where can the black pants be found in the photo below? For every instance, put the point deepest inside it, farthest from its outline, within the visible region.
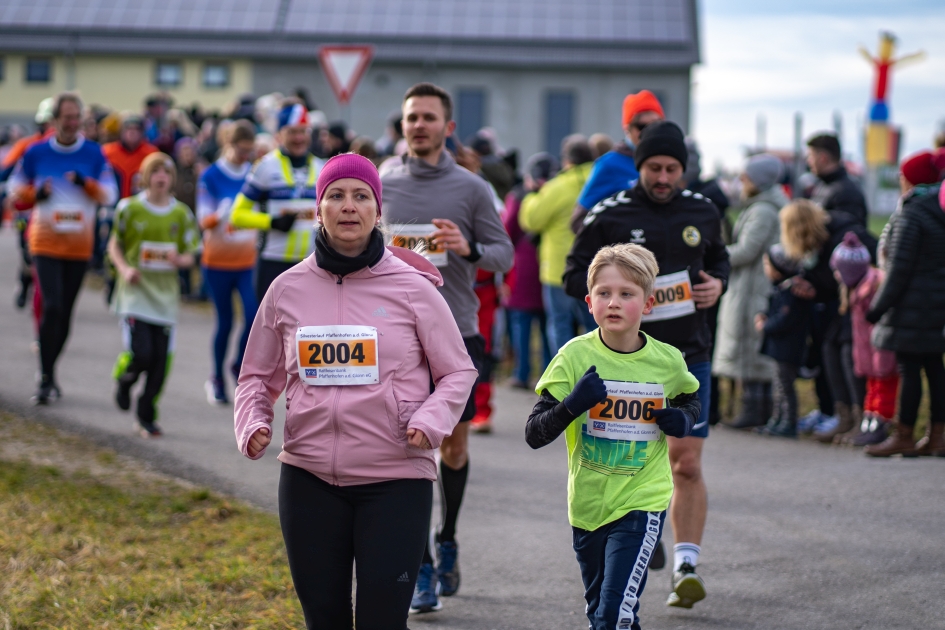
(819, 322)
(266, 272)
(910, 386)
(59, 282)
(785, 396)
(382, 527)
(845, 385)
(149, 346)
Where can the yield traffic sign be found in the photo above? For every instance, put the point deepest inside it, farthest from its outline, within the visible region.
(344, 66)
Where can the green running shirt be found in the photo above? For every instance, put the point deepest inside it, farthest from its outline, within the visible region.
(609, 478)
(146, 233)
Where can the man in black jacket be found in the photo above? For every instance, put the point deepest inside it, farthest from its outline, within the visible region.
(834, 190)
(683, 230)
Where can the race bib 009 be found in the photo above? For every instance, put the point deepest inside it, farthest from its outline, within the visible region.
(337, 355)
(409, 235)
(627, 412)
(156, 256)
(673, 297)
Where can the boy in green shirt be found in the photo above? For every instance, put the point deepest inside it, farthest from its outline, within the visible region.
(617, 382)
(154, 236)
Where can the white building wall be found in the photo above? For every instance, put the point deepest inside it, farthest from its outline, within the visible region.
(515, 99)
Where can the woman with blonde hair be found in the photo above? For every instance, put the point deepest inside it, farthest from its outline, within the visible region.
(809, 235)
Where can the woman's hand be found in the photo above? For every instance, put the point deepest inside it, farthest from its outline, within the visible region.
(260, 440)
(416, 437)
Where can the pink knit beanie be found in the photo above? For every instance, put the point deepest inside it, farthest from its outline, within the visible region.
(851, 259)
(349, 165)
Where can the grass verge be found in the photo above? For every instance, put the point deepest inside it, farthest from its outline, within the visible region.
(91, 539)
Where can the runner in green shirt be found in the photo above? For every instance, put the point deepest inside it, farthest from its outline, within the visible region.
(154, 236)
(616, 394)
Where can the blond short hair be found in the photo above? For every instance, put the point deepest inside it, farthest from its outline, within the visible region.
(636, 263)
(152, 163)
(803, 228)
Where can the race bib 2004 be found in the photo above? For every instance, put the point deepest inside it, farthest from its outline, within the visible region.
(337, 355)
(410, 235)
(68, 220)
(156, 256)
(627, 412)
(673, 297)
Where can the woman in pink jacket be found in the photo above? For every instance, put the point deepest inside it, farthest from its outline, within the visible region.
(353, 335)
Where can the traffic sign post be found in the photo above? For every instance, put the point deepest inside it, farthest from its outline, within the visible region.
(344, 65)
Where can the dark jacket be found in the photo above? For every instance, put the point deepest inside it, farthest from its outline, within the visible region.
(836, 193)
(785, 334)
(910, 304)
(684, 234)
(820, 275)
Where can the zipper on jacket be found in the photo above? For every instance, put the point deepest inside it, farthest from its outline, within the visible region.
(334, 404)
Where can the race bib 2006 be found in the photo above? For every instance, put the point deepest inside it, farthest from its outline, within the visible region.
(410, 235)
(337, 355)
(627, 412)
(156, 256)
(673, 297)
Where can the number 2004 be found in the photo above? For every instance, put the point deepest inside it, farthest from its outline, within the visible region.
(330, 353)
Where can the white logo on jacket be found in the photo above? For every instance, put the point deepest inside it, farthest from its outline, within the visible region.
(637, 237)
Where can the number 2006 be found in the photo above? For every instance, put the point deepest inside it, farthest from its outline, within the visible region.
(621, 409)
(330, 353)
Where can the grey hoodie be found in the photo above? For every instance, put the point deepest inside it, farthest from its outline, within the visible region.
(416, 192)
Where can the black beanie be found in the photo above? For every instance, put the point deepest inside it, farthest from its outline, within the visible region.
(661, 138)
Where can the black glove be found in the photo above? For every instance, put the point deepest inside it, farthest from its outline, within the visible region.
(673, 422)
(587, 392)
(872, 316)
(284, 222)
(78, 179)
(44, 191)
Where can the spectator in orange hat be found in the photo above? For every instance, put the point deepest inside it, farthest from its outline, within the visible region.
(615, 171)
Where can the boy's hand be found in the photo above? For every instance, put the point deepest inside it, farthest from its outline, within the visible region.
(587, 392)
(671, 421)
(130, 275)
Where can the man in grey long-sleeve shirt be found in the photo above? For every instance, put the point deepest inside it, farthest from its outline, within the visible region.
(427, 195)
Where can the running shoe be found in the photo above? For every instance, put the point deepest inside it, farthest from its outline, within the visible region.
(658, 559)
(43, 394)
(149, 430)
(688, 588)
(827, 424)
(216, 395)
(807, 423)
(481, 425)
(424, 593)
(447, 568)
(123, 395)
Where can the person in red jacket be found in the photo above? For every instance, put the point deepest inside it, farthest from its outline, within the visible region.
(127, 154)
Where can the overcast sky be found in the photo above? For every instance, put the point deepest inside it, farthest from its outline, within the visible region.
(801, 55)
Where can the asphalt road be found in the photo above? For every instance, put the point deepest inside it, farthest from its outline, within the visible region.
(799, 535)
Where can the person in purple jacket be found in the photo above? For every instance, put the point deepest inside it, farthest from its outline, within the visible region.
(524, 301)
(354, 335)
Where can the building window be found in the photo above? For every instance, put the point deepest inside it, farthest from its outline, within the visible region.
(216, 75)
(169, 74)
(470, 112)
(38, 70)
(559, 119)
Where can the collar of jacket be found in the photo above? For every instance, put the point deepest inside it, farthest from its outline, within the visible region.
(393, 260)
(833, 176)
(330, 260)
(418, 167)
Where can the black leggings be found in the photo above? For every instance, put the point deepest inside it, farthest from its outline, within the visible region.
(910, 386)
(59, 283)
(845, 385)
(381, 527)
(266, 272)
(149, 345)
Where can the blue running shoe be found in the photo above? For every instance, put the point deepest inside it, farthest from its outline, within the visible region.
(424, 593)
(827, 424)
(807, 423)
(447, 568)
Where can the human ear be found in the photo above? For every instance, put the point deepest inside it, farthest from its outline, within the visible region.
(649, 304)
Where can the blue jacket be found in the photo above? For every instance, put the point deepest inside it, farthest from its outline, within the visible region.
(785, 330)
